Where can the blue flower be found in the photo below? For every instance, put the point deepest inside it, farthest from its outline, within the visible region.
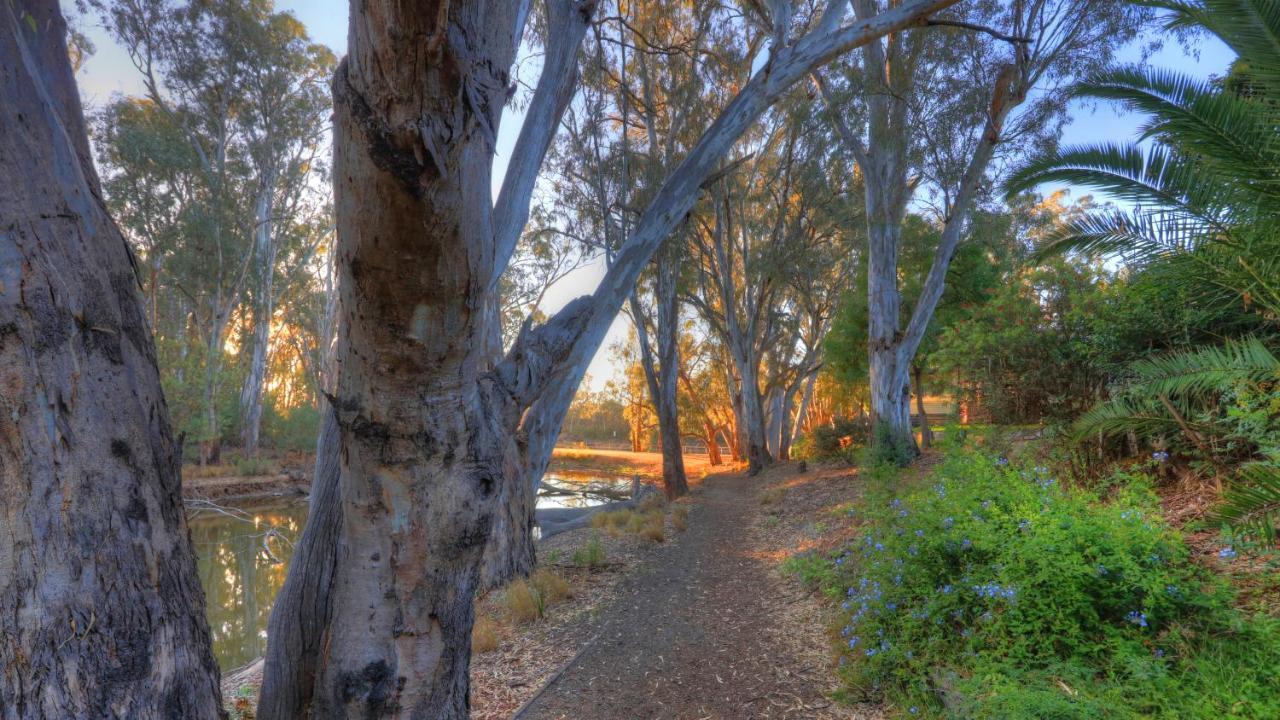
(1160, 456)
(966, 544)
(1002, 461)
(913, 710)
(948, 521)
(1137, 618)
(1227, 553)
(913, 550)
(853, 641)
(919, 533)
(871, 652)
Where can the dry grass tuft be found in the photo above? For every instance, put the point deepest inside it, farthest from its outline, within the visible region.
(773, 496)
(680, 517)
(484, 634)
(523, 603)
(613, 522)
(550, 586)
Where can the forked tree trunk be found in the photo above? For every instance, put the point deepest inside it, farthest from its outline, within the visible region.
(438, 446)
(713, 444)
(889, 384)
(101, 612)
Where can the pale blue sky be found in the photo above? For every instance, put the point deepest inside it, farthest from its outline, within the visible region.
(109, 72)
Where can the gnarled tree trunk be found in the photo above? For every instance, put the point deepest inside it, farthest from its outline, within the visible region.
(101, 612)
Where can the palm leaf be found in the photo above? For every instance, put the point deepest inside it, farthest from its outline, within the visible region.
(1197, 373)
(1251, 505)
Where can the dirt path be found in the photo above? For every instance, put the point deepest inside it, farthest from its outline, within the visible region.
(702, 634)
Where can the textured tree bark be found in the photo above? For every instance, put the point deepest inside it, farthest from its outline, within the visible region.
(427, 459)
(265, 251)
(439, 448)
(886, 197)
(300, 617)
(101, 612)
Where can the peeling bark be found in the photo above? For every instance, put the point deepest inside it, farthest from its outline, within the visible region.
(101, 612)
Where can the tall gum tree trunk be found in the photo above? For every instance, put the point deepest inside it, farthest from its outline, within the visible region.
(889, 385)
(265, 250)
(425, 458)
(675, 483)
(101, 612)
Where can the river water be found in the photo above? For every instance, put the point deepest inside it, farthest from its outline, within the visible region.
(243, 553)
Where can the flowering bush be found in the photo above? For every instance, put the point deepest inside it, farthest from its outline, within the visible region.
(988, 573)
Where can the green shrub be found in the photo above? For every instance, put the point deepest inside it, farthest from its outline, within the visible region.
(990, 592)
(590, 555)
(889, 449)
(295, 429)
(838, 441)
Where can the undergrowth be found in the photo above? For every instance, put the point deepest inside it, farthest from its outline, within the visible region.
(993, 592)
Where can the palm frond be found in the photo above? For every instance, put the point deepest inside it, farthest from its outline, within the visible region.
(1156, 177)
(1250, 27)
(1195, 373)
(1142, 416)
(1235, 133)
(1140, 237)
(1251, 505)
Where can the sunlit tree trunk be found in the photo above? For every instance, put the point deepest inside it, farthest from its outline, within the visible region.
(265, 252)
(101, 612)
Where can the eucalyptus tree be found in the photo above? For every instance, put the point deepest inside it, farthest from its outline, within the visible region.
(211, 171)
(285, 118)
(930, 117)
(101, 612)
(759, 242)
(442, 439)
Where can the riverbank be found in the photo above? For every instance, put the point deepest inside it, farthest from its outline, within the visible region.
(267, 478)
(525, 632)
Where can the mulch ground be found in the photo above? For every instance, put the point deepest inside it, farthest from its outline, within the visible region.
(711, 629)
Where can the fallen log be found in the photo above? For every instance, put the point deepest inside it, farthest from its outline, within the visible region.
(553, 521)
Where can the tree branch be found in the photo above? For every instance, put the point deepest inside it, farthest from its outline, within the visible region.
(549, 361)
(568, 20)
(977, 28)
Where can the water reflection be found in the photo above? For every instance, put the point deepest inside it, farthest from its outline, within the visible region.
(243, 553)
